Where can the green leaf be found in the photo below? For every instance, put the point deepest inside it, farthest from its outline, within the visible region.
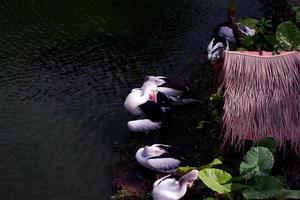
(269, 143)
(263, 187)
(271, 39)
(216, 180)
(211, 164)
(288, 35)
(250, 22)
(247, 41)
(257, 161)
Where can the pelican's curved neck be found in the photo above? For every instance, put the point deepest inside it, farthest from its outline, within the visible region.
(182, 188)
(145, 152)
(146, 91)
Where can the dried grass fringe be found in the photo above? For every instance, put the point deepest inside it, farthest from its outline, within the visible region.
(262, 98)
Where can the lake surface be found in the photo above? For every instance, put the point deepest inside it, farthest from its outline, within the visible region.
(64, 68)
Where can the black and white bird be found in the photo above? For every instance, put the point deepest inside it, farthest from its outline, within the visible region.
(169, 87)
(225, 30)
(171, 188)
(223, 37)
(216, 48)
(174, 89)
(160, 158)
(143, 103)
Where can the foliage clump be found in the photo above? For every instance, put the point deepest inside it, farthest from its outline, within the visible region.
(254, 180)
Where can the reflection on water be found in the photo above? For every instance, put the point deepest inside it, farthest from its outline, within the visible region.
(64, 68)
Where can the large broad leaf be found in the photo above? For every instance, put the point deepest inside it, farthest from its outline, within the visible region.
(288, 35)
(263, 187)
(257, 161)
(216, 180)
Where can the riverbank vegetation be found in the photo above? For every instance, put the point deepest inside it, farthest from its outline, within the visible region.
(255, 171)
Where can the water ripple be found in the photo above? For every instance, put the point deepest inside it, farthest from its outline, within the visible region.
(64, 69)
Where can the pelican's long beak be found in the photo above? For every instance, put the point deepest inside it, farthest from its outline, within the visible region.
(153, 96)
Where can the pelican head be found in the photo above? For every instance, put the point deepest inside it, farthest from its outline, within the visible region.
(150, 88)
(150, 151)
(189, 178)
(168, 188)
(158, 80)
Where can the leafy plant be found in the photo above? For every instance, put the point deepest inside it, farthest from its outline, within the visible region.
(257, 161)
(215, 108)
(263, 187)
(263, 39)
(288, 36)
(216, 104)
(264, 25)
(216, 179)
(255, 180)
(276, 30)
(250, 22)
(184, 170)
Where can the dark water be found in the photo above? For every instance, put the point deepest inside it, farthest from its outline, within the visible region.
(64, 66)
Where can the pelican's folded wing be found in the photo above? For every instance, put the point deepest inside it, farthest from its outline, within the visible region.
(164, 164)
(170, 91)
(162, 146)
(143, 125)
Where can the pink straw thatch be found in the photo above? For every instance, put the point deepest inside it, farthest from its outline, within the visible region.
(261, 98)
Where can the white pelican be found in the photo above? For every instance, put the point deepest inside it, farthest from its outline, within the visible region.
(160, 158)
(143, 103)
(222, 37)
(169, 188)
(169, 87)
(173, 89)
(216, 48)
(225, 31)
